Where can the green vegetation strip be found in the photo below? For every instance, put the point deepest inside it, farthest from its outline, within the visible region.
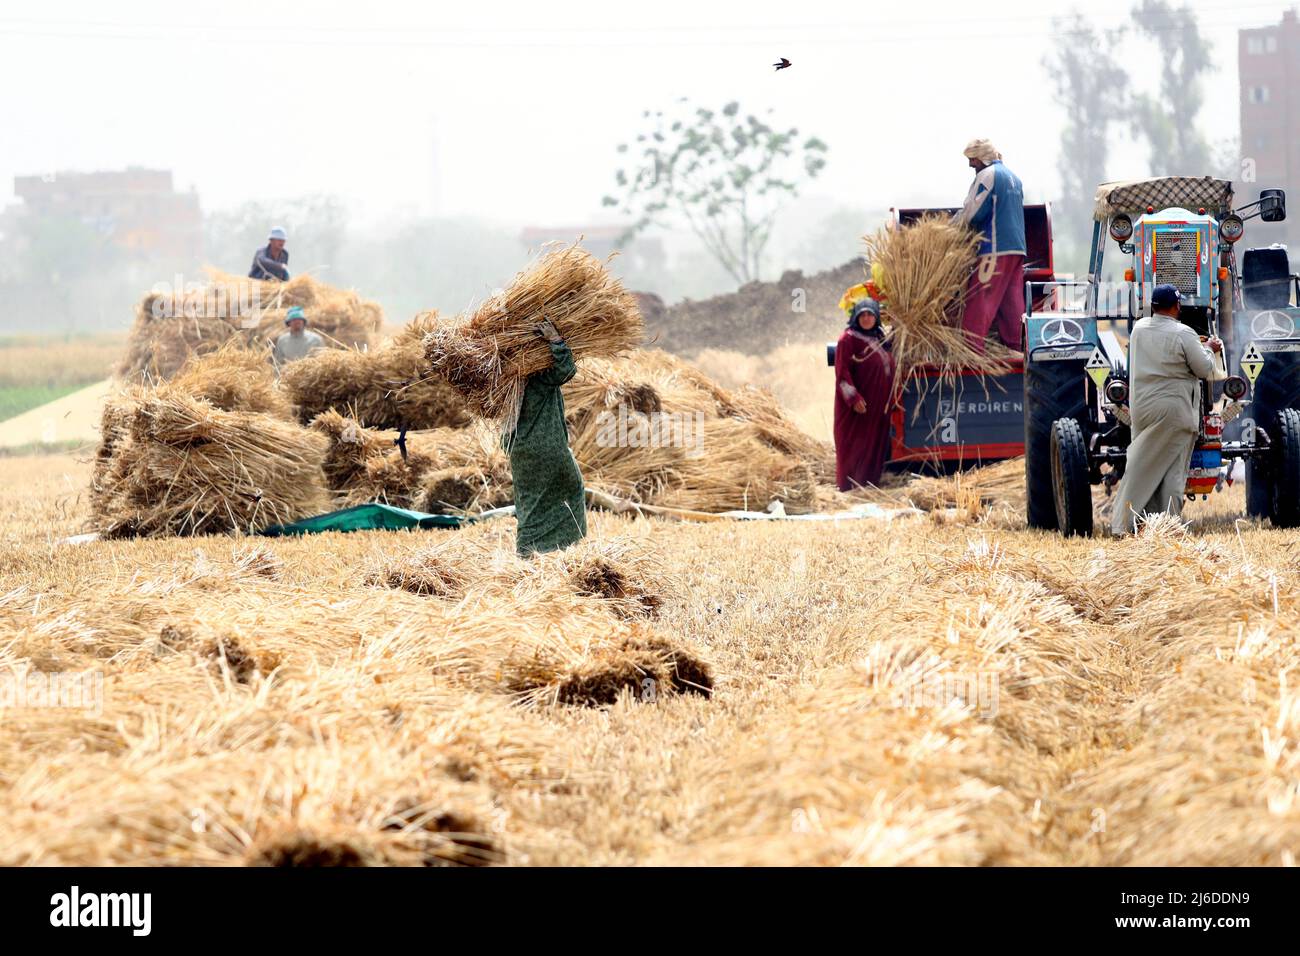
(16, 399)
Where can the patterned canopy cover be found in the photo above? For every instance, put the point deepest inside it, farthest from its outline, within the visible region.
(1189, 192)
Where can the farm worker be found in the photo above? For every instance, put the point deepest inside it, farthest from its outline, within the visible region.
(1166, 358)
(550, 502)
(864, 398)
(270, 263)
(298, 342)
(995, 208)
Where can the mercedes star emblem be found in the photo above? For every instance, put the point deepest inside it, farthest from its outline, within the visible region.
(1057, 332)
(1273, 324)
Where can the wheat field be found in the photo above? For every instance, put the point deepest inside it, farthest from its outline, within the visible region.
(928, 690)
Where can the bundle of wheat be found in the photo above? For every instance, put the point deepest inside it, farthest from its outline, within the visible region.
(652, 429)
(445, 469)
(172, 326)
(736, 470)
(233, 379)
(488, 355)
(349, 447)
(388, 387)
(925, 267)
(392, 479)
(186, 467)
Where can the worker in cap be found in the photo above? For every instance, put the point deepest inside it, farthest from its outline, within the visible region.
(1166, 359)
(271, 262)
(550, 499)
(298, 342)
(864, 398)
(994, 208)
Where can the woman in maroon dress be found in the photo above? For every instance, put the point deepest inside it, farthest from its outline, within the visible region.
(864, 398)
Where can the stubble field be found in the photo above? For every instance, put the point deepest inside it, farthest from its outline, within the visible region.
(933, 690)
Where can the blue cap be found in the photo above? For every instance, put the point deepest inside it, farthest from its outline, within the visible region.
(277, 233)
(295, 313)
(1163, 296)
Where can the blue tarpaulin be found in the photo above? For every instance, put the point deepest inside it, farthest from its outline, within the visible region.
(368, 517)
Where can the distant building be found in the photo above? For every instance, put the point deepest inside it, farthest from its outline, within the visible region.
(1269, 70)
(137, 209)
(637, 256)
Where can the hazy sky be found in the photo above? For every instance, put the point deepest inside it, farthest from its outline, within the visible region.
(512, 110)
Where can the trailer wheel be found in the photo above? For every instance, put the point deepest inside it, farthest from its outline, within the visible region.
(1053, 390)
(1072, 491)
(1285, 510)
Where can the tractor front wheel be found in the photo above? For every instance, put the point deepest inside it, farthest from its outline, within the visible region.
(1073, 492)
(1285, 470)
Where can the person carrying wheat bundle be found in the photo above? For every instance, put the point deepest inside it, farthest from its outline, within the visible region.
(550, 502)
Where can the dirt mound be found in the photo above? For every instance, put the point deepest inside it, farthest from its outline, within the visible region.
(757, 317)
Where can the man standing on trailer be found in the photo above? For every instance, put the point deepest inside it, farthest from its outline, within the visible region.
(271, 262)
(1166, 359)
(995, 208)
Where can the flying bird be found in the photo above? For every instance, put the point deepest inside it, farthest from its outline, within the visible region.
(782, 64)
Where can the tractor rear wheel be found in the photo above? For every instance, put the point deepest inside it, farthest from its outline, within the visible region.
(1276, 389)
(1072, 491)
(1053, 390)
(1285, 510)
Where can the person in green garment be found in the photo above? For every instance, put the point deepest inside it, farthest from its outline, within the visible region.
(550, 502)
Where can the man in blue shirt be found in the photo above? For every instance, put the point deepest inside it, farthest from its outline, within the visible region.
(995, 208)
(270, 263)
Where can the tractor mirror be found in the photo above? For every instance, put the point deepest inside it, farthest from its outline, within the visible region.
(1272, 205)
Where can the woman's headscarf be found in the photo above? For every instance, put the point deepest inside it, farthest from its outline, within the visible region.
(866, 305)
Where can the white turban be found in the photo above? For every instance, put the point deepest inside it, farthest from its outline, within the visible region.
(982, 150)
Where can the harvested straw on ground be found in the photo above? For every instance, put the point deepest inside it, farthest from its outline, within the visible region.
(1000, 484)
(926, 266)
(429, 572)
(388, 387)
(488, 355)
(171, 327)
(637, 661)
(187, 467)
(624, 573)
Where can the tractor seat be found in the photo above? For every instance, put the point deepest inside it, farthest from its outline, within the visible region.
(1266, 278)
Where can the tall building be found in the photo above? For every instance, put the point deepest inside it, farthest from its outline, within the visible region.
(1269, 70)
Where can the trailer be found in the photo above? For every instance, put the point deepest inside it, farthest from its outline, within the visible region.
(973, 419)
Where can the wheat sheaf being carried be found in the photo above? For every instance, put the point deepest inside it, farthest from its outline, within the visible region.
(922, 269)
(488, 355)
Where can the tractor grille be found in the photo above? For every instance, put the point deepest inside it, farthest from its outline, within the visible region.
(1176, 260)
